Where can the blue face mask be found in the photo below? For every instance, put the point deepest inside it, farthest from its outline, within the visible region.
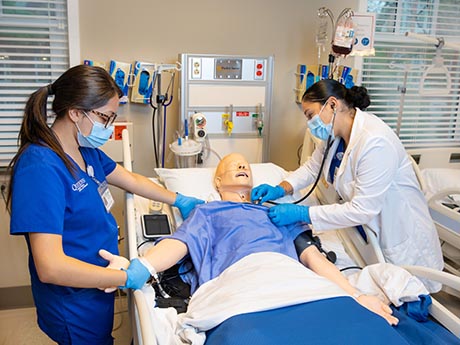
(98, 136)
(318, 128)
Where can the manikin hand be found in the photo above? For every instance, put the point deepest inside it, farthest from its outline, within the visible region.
(116, 262)
(375, 305)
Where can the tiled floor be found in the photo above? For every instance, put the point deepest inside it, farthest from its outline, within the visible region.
(19, 326)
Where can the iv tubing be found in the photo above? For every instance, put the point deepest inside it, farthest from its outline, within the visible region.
(165, 105)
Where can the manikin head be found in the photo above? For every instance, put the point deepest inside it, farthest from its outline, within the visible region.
(233, 178)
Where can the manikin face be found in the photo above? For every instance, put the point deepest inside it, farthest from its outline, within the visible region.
(233, 174)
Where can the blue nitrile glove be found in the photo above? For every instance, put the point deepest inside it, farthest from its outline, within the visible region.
(265, 192)
(186, 204)
(137, 274)
(286, 214)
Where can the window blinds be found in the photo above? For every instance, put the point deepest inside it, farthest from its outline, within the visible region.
(33, 53)
(393, 76)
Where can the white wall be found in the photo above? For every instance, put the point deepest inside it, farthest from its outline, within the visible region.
(158, 31)
(13, 254)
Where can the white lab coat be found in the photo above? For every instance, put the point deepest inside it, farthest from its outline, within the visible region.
(379, 189)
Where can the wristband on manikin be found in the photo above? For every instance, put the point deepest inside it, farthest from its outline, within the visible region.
(150, 268)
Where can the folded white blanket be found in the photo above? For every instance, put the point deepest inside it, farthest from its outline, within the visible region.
(389, 282)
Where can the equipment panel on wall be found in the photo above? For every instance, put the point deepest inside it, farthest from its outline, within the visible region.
(233, 95)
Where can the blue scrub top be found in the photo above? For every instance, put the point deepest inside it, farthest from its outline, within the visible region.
(47, 198)
(220, 233)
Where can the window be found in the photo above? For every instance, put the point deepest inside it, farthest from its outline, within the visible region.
(34, 51)
(401, 61)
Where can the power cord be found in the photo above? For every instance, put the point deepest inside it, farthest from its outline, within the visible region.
(3, 191)
(350, 268)
(120, 312)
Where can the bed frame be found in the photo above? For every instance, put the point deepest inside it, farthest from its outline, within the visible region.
(363, 253)
(448, 157)
(447, 220)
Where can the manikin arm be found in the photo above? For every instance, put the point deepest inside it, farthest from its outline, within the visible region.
(158, 259)
(166, 254)
(314, 260)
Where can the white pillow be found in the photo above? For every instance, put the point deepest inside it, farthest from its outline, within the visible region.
(438, 179)
(198, 182)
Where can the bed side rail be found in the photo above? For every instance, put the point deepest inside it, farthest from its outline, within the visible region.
(138, 311)
(440, 157)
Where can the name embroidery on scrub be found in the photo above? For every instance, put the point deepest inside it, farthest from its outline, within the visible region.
(102, 189)
(80, 185)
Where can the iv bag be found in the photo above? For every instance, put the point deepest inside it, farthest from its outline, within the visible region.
(344, 35)
(321, 30)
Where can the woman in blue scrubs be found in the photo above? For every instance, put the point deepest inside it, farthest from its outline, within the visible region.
(60, 201)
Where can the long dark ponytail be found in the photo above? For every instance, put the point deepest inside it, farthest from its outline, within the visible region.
(81, 87)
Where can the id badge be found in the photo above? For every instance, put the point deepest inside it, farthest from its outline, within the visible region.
(336, 170)
(106, 196)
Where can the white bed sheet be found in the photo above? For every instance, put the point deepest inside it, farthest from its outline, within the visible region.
(292, 284)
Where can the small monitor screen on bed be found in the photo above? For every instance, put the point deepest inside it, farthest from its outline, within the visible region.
(155, 225)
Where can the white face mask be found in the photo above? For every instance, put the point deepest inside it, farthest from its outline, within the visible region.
(97, 137)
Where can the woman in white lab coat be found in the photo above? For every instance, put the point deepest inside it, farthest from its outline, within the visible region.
(371, 172)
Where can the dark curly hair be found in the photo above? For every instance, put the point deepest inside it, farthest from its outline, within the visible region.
(356, 96)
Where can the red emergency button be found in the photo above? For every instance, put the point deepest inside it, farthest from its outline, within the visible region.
(258, 73)
(259, 66)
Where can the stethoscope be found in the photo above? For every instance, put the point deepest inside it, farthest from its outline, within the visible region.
(326, 152)
(330, 255)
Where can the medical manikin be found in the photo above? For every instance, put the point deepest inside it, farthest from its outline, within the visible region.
(220, 233)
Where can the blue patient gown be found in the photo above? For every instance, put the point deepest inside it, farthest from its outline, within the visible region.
(220, 233)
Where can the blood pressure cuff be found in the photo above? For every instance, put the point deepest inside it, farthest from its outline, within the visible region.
(305, 240)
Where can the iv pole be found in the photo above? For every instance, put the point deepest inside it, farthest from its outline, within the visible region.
(402, 89)
(431, 39)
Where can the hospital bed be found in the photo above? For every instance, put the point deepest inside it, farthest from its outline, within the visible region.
(438, 171)
(186, 181)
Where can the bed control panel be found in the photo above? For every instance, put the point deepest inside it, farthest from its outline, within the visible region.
(155, 206)
(452, 206)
